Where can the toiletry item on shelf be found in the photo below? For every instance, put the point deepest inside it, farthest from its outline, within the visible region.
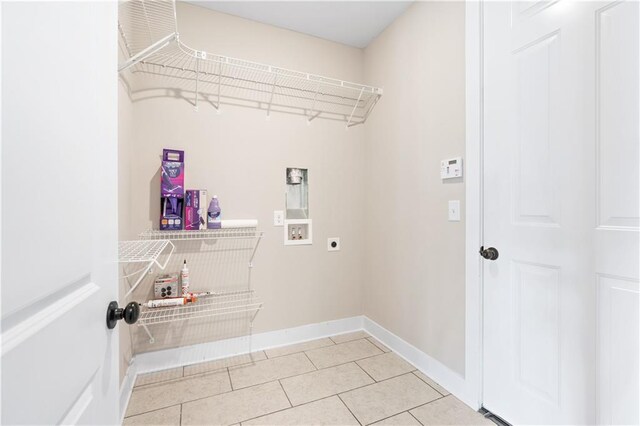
(213, 214)
(184, 278)
(293, 233)
(194, 209)
(162, 303)
(172, 170)
(299, 232)
(166, 285)
(171, 190)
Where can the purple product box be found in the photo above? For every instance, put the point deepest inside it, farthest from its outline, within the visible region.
(171, 218)
(195, 209)
(172, 190)
(172, 170)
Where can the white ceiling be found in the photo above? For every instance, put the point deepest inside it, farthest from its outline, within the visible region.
(354, 23)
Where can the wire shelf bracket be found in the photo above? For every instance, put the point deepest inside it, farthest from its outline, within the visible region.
(148, 30)
(145, 253)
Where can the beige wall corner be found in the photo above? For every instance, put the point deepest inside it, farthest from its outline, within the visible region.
(415, 273)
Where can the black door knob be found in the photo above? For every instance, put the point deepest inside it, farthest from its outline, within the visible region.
(490, 253)
(129, 313)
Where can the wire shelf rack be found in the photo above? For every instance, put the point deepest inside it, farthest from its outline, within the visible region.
(207, 306)
(143, 252)
(149, 33)
(204, 234)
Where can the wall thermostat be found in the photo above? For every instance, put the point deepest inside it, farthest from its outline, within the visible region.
(451, 168)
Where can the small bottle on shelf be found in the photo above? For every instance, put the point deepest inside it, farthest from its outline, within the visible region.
(184, 279)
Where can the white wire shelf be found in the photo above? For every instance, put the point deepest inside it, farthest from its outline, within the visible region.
(205, 307)
(143, 252)
(149, 33)
(204, 234)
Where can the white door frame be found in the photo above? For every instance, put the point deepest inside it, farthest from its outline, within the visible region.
(474, 54)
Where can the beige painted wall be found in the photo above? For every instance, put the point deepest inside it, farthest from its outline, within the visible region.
(376, 186)
(241, 157)
(414, 280)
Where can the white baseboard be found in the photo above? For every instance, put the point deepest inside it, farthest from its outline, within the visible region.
(185, 355)
(443, 375)
(177, 357)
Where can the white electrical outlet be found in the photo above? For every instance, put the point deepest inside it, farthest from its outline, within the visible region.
(333, 244)
(278, 218)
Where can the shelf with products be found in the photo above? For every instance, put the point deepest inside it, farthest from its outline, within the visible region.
(213, 305)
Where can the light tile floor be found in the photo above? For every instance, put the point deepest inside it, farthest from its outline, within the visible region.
(350, 379)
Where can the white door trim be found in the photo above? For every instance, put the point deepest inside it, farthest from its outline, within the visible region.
(474, 44)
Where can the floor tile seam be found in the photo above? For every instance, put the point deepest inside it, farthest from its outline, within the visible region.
(276, 379)
(312, 363)
(333, 366)
(365, 371)
(285, 393)
(371, 384)
(414, 373)
(417, 420)
(229, 377)
(388, 417)
(408, 409)
(345, 404)
(204, 397)
(285, 409)
(426, 403)
(152, 411)
(176, 379)
(302, 350)
(217, 370)
(313, 349)
(353, 360)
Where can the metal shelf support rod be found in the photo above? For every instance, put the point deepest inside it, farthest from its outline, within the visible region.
(158, 45)
(354, 107)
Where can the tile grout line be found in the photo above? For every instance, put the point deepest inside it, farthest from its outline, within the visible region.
(285, 393)
(414, 373)
(417, 420)
(347, 407)
(393, 415)
(288, 408)
(408, 410)
(314, 366)
(302, 350)
(365, 372)
(259, 384)
(217, 370)
(230, 381)
(210, 373)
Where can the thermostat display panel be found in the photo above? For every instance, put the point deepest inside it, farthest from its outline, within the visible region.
(451, 168)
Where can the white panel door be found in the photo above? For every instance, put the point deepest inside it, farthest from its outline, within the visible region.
(59, 212)
(561, 154)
